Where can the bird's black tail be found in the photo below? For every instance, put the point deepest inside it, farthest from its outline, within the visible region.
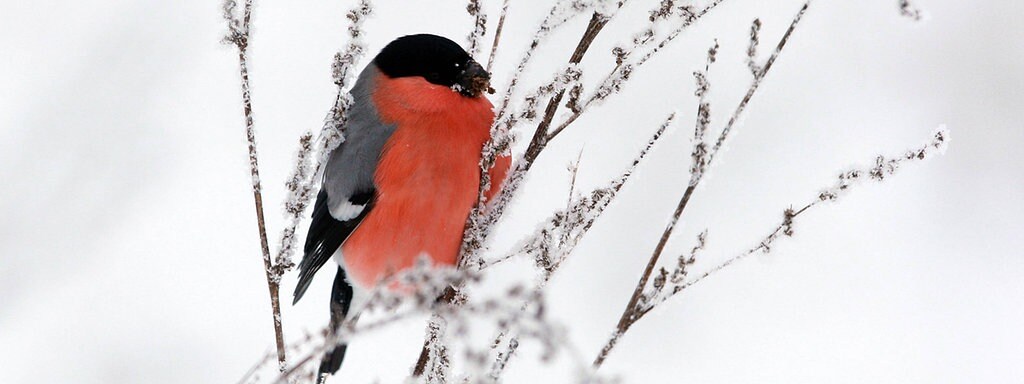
(341, 300)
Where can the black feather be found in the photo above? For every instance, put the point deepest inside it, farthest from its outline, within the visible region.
(341, 301)
(325, 235)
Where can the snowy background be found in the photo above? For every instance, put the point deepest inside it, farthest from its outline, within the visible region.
(129, 253)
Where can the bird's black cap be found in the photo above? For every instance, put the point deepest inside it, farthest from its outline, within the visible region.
(436, 59)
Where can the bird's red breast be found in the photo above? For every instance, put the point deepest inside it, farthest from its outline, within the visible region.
(427, 179)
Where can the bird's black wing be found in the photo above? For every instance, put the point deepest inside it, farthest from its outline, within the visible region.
(341, 301)
(326, 234)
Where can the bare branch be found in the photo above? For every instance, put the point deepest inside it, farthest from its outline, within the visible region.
(238, 35)
(633, 309)
(497, 35)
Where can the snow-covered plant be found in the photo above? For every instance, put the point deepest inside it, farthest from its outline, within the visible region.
(446, 296)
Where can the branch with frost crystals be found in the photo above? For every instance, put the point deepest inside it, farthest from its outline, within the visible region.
(479, 27)
(882, 169)
(480, 220)
(631, 313)
(755, 39)
(497, 35)
(699, 154)
(657, 293)
(238, 35)
(305, 178)
(482, 217)
(558, 236)
(758, 77)
(558, 15)
(541, 136)
(517, 309)
(613, 82)
(908, 10)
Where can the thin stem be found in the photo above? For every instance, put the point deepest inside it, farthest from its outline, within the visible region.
(540, 136)
(630, 315)
(273, 284)
(497, 35)
(633, 311)
(621, 66)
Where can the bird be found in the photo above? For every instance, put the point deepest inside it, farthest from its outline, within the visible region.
(407, 175)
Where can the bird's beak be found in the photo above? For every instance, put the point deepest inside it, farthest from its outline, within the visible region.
(474, 80)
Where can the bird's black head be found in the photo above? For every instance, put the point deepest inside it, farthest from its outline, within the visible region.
(436, 59)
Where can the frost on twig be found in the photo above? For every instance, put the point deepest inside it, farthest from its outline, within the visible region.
(479, 26)
(647, 42)
(238, 35)
(558, 235)
(755, 39)
(497, 35)
(759, 75)
(450, 322)
(557, 16)
(633, 309)
(657, 293)
(699, 154)
(883, 167)
(910, 11)
(312, 155)
(479, 221)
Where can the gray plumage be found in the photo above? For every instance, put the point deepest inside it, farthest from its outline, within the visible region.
(350, 168)
(346, 195)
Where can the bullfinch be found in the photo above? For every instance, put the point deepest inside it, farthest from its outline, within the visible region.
(403, 182)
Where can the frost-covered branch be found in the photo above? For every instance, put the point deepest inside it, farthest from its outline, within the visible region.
(479, 26)
(557, 237)
(311, 155)
(759, 75)
(910, 11)
(702, 160)
(667, 11)
(497, 35)
(238, 35)
(517, 309)
(882, 168)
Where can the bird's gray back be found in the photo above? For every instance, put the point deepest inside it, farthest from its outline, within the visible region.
(351, 166)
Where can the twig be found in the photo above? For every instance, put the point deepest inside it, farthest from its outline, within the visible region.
(560, 234)
(239, 36)
(622, 71)
(632, 311)
(882, 169)
(540, 136)
(497, 35)
(479, 26)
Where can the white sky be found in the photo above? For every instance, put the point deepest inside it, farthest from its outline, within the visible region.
(128, 249)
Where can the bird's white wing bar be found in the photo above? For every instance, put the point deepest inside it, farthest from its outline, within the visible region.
(345, 210)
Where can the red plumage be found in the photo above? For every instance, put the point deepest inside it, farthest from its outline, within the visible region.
(427, 179)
